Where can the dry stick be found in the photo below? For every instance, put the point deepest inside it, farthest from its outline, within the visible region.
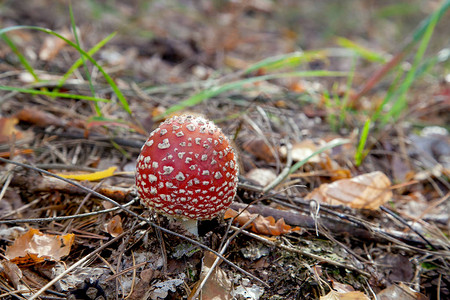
(137, 216)
(5, 185)
(62, 218)
(75, 265)
(401, 220)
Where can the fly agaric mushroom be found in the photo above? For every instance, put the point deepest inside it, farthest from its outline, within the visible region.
(187, 170)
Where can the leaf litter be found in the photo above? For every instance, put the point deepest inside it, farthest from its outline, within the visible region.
(363, 229)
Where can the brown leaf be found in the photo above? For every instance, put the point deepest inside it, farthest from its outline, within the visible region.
(342, 287)
(7, 129)
(35, 247)
(259, 149)
(334, 170)
(401, 292)
(333, 295)
(114, 226)
(261, 225)
(367, 191)
(39, 117)
(218, 286)
(302, 150)
(261, 176)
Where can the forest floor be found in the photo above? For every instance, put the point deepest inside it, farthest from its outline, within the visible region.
(338, 112)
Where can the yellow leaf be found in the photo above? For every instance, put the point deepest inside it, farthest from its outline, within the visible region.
(91, 176)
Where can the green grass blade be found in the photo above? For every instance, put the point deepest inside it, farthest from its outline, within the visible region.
(435, 17)
(331, 116)
(285, 60)
(21, 57)
(114, 87)
(79, 62)
(389, 95)
(52, 94)
(329, 145)
(405, 49)
(209, 93)
(365, 53)
(359, 155)
(400, 103)
(344, 103)
(86, 70)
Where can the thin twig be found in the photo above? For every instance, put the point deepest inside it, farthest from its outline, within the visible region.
(62, 218)
(401, 220)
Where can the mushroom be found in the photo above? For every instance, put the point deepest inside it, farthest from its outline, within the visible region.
(187, 170)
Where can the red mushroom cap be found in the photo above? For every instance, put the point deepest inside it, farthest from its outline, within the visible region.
(187, 169)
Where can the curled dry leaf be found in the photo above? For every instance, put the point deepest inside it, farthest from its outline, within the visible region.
(367, 191)
(114, 226)
(8, 129)
(333, 295)
(400, 291)
(35, 246)
(261, 225)
(218, 285)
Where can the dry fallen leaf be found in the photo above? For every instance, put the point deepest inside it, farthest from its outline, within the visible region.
(400, 292)
(39, 117)
(218, 286)
(261, 225)
(114, 226)
(7, 129)
(367, 191)
(303, 150)
(334, 169)
(91, 176)
(333, 295)
(261, 176)
(259, 148)
(35, 247)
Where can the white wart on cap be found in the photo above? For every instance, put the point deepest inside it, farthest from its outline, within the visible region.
(187, 169)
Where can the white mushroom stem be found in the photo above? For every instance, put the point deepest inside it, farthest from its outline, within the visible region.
(188, 224)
